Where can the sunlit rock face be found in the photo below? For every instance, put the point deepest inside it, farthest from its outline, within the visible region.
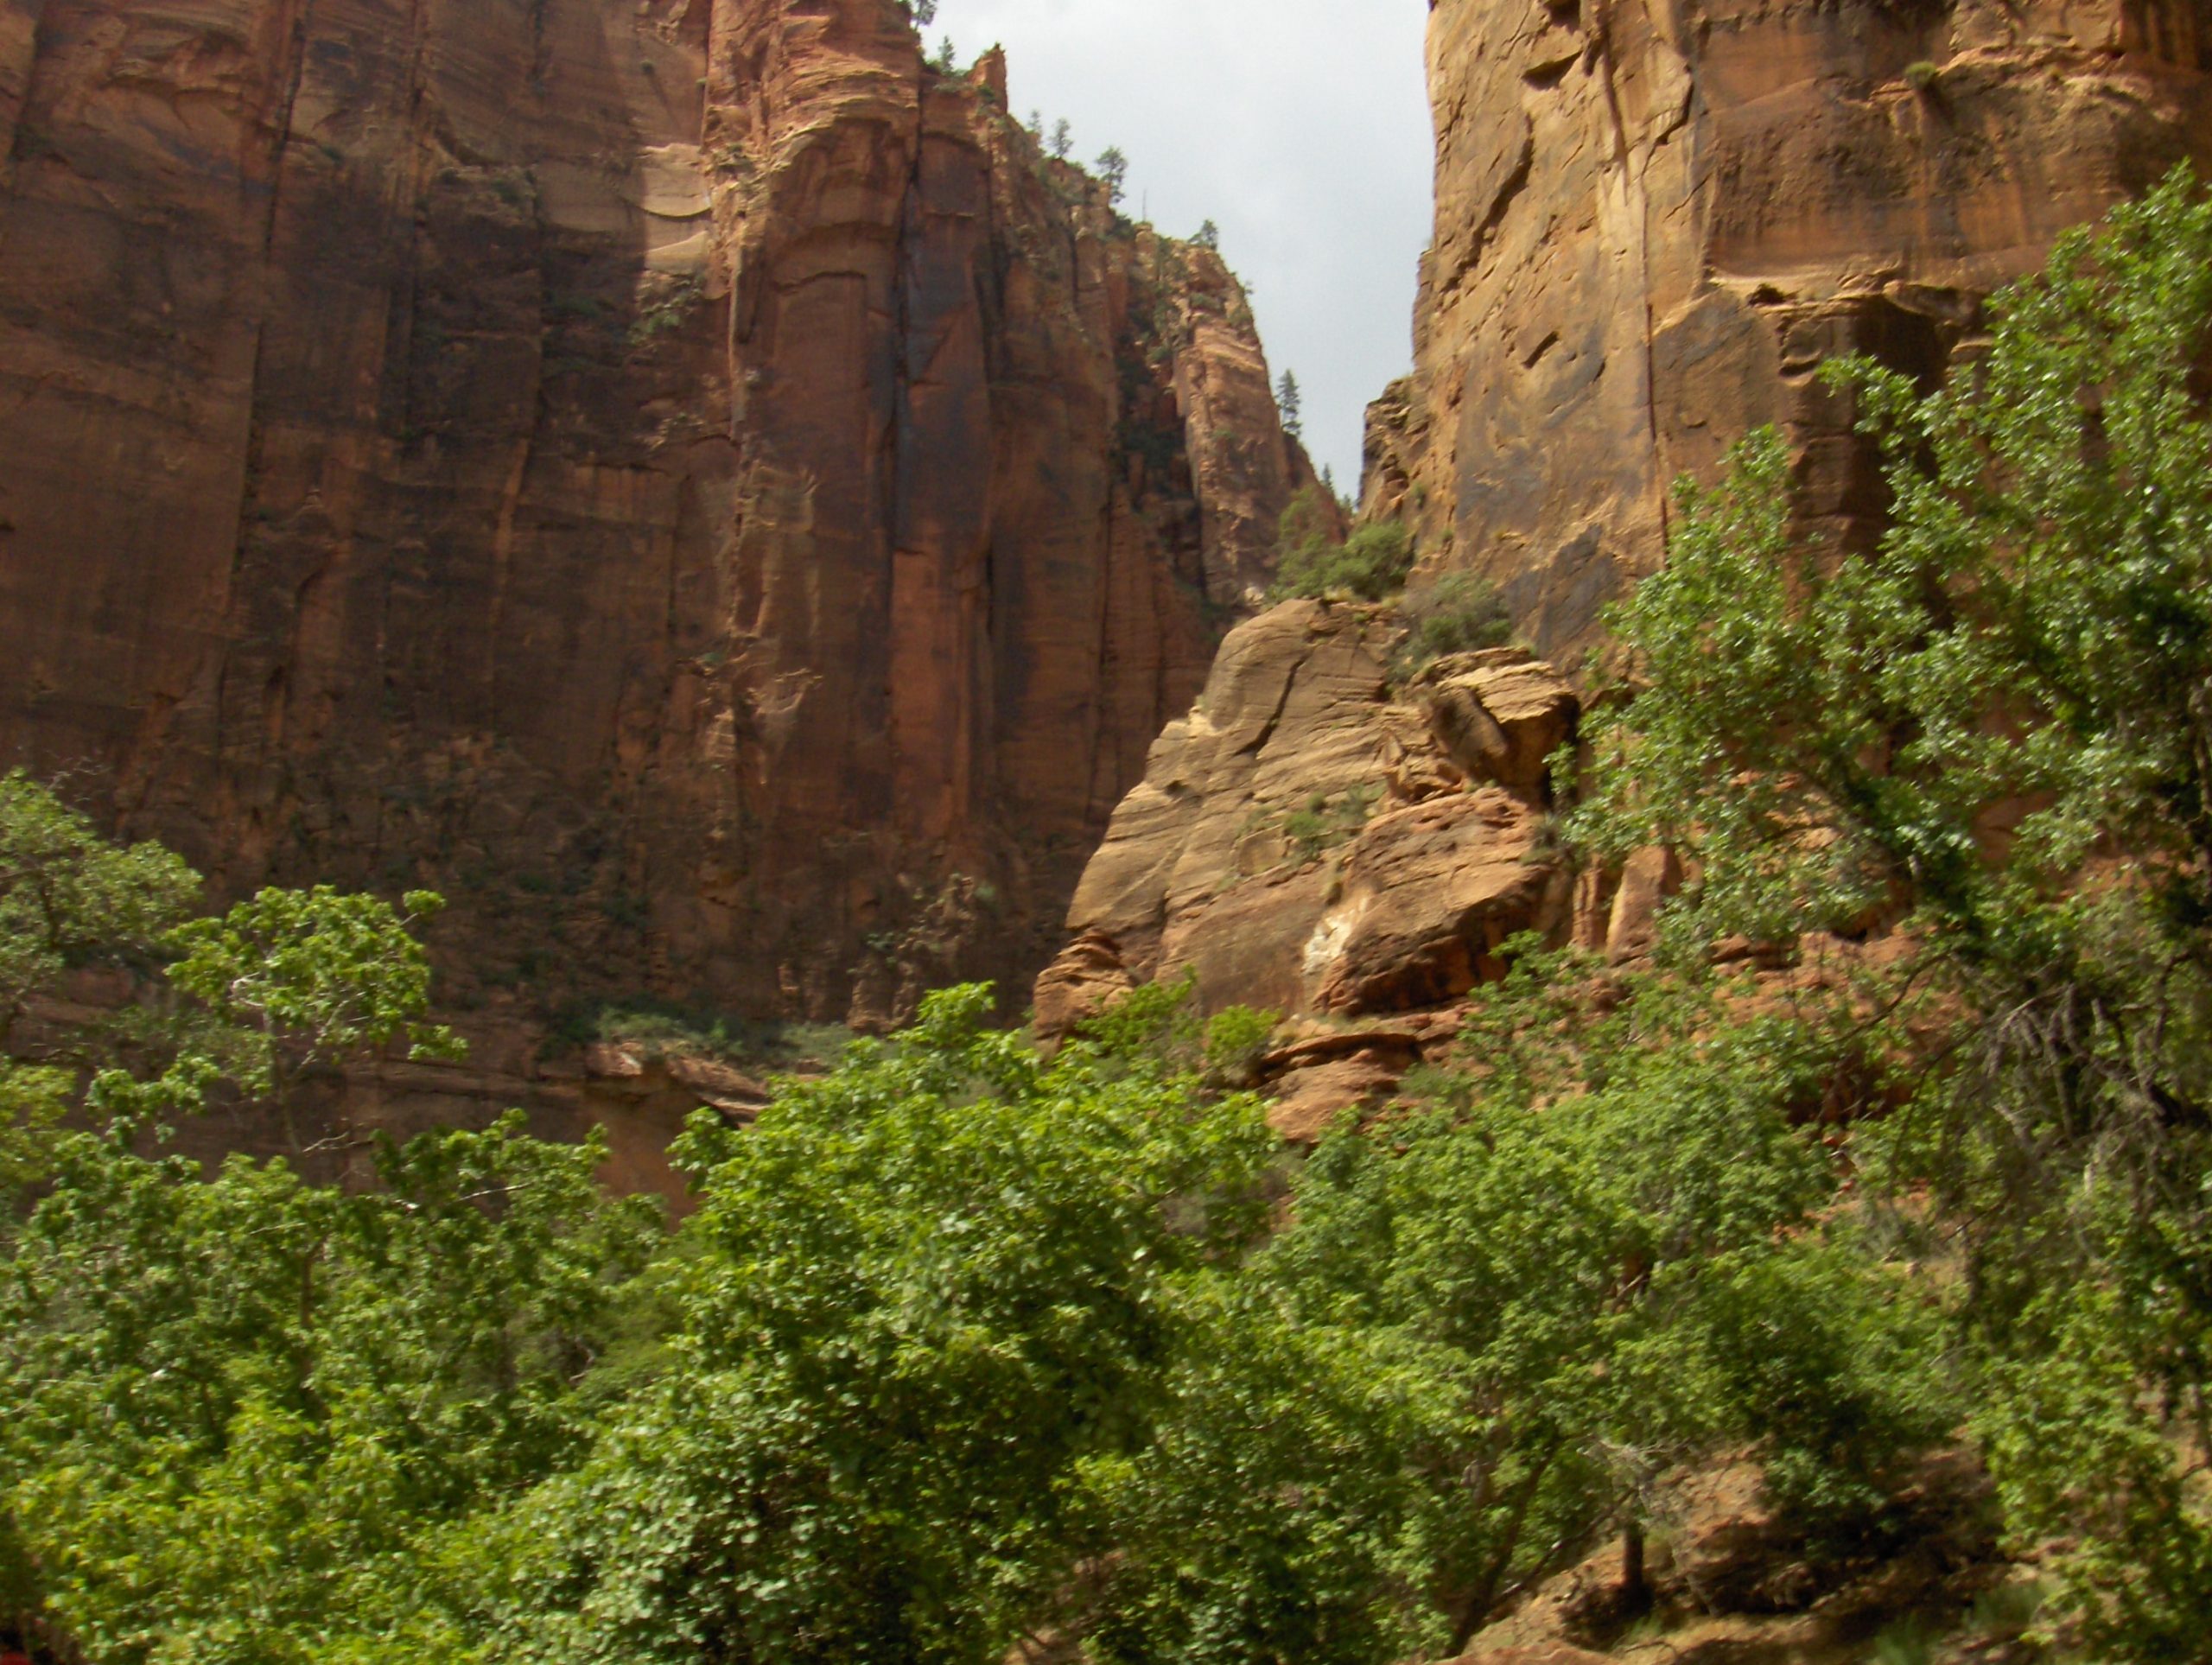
(1653, 222)
(686, 479)
(1312, 839)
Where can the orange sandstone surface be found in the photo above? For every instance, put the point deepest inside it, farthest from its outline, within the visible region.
(1654, 221)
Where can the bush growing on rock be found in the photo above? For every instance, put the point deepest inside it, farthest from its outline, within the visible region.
(1458, 612)
(1371, 564)
(1114, 170)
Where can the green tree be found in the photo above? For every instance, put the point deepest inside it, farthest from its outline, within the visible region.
(1277, 1512)
(285, 983)
(241, 1409)
(1063, 139)
(1574, 1256)
(71, 902)
(1291, 402)
(299, 980)
(1995, 729)
(1114, 168)
(1456, 613)
(929, 1290)
(1312, 560)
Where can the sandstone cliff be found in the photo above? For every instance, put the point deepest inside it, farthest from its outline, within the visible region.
(687, 480)
(1652, 222)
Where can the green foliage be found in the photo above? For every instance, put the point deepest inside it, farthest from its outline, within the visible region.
(1905, 1642)
(1995, 728)
(963, 1346)
(1835, 1361)
(667, 1029)
(1292, 404)
(2027, 632)
(673, 306)
(68, 898)
(241, 1408)
(1311, 561)
(1497, 1329)
(70, 902)
(1114, 169)
(286, 982)
(931, 1289)
(34, 1100)
(1323, 822)
(1272, 1517)
(302, 978)
(1156, 1020)
(1458, 612)
(967, 1351)
(1236, 1038)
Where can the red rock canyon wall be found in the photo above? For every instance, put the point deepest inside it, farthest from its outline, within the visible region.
(1654, 220)
(684, 478)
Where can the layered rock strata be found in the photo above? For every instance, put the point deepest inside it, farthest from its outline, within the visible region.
(689, 480)
(1311, 839)
(1653, 223)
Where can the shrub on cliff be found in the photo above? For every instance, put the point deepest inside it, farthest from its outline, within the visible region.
(1311, 561)
(1114, 170)
(1996, 727)
(1458, 612)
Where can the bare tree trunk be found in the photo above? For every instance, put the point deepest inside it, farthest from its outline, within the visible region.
(1636, 1577)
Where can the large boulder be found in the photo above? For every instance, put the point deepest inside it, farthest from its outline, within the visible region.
(1310, 839)
(1430, 892)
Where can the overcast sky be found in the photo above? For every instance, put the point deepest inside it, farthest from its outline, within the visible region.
(1299, 127)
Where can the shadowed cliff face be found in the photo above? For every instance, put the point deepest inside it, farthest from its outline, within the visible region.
(684, 478)
(1653, 222)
